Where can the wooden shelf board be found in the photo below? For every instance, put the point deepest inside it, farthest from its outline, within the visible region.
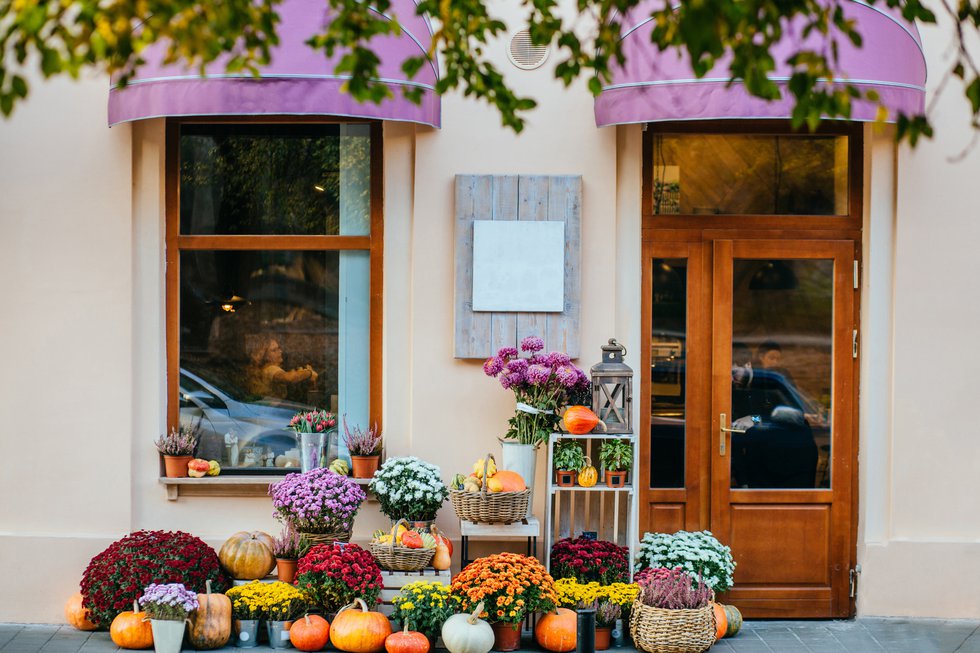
(230, 485)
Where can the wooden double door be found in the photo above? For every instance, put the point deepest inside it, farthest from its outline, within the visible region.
(748, 407)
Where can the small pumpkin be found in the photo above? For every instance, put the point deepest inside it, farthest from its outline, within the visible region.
(248, 556)
(721, 620)
(310, 633)
(210, 624)
(467, 633)
(361, 631)
(587, 476)
(407, 641)
(579, 420)
(131, 629)
(506, 481)
(734, 620)
(556, 631)
(76, 615)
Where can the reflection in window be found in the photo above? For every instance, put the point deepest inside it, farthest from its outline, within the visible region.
(667, 373)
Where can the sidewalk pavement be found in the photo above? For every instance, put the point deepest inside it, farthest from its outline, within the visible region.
(865, 635)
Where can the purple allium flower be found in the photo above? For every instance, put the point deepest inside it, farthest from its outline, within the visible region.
(532, 344)
(538, 374)
(493, 366)
(506, 353)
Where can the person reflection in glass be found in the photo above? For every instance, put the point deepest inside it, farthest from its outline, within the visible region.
(265, 375)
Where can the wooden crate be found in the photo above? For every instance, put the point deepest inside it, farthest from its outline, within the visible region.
(395, 580)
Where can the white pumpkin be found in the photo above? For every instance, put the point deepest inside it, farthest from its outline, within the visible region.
(467, 633)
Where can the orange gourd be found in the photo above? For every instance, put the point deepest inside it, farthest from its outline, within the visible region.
(407, 641)
(556, 631)
(579, 420)
(131, 629)
(76, 615)
(310, 634)
(439, 536)
(587, 476)
(721, 620)
(506, 481)
(359, 631)
(210, 624)
(248, 556)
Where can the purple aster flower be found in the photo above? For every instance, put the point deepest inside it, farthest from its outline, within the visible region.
(532, 344)
(493, 366)
(567, 375)
(538, 374)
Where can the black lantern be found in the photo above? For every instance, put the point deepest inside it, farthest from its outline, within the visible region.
(612, 389)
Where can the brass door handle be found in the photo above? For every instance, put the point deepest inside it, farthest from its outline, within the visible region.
(722, 430)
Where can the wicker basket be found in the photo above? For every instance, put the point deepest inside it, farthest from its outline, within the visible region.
(327, 538)
(490, 507)
(658, 630)
(400, 558)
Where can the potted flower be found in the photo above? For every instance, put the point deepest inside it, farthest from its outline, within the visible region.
(282, 604)
(319, 503)
(246, 612)
(569, 458)
(409, 489)
(511, 586)
(364, 446)
(312, 429)
(424, 607)
(168, 605)
(288, 548)
(177, 448)
(699, 554)
(672, 610)
(606, 614)
(590, 560)
(616, 457)
(334, 575)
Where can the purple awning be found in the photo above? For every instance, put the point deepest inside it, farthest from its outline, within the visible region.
(657, 86)
(298, 81)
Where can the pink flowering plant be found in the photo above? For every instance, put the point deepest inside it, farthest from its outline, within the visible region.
(673, 589)
(168, 601)
(362, 442)
(314, 421)
(318, 501)
(542, 384)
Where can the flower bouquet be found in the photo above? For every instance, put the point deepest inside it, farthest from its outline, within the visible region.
(168, 606)
(672, 612)
(699, 554)
(334, 575)
(587, 560)
(312, 429)
(410, 489)
(319, 503)
(424, 607)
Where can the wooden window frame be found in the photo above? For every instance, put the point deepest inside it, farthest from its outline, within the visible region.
(176, 243)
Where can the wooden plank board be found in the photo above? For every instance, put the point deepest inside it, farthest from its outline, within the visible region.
(503, 326)
(565, 203)
(532, 200)
(473, 202)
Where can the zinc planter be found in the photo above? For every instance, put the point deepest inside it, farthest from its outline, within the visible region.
(520, 458)
(246, 633)
(167, 635)
(279, 633)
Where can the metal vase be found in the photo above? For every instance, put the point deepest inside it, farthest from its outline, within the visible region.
(311, 450)
(246, 633)
(279, 633)
(168, 635)
(522, 459)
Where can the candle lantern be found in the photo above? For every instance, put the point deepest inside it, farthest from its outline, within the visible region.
(612, 389)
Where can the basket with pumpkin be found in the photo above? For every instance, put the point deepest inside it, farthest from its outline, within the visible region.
(490, 495)
(403, 549)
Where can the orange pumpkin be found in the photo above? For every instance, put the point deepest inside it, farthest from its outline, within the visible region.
(721, 620)
(76, 615)
(506, 481)
(131, 629)
(310, 634)
(359, 631)
(579, 420)
(407, 641)
(210, 625)
(248, 556)
(556, 631)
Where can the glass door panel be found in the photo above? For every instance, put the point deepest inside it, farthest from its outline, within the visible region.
(668, 356)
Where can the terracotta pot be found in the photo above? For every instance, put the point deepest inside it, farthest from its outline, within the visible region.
(566, 477)
(364, 466)
(615, 479)
(176, 466)
(506, 637)
(286, 570)
(603, 638)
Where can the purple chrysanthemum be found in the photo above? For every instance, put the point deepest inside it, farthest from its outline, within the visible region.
(506, 353)
(558, 358)
(518, 365)
(493, 366)
(567, 375)
(532, 344)
(538, 374)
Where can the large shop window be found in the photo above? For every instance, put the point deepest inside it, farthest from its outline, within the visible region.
(274, 252)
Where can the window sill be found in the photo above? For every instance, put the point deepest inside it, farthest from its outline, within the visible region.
(228, 486)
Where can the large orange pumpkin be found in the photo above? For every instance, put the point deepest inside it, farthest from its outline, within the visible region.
(721, 620)
(556, 631)
(131, 629)
(579, 420)
(310, 633)
(210, 625)
(248, 556)
(506, 481)
(359, 631)
(76, 615)
(407, 641)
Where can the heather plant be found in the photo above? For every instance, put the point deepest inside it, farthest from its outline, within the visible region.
(168, 601)
(362, 442)
(699, 554)
(317, 501)
(606, 613)
(673, 589)
(290, 545)
(179, 441)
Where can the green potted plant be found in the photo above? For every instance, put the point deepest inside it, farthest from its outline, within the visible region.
(424, 607)
(569, 458)
(616, 457)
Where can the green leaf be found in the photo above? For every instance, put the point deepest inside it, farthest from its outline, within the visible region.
(19, 86)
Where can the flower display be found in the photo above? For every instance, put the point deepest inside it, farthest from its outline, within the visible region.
(673, 589)
(334, 575)
(699, 554)
(424, 607)
(362, 442)
(314, 421)
(542, 384)
(587, 560)
(169, 601)
(272, 601)
(572, 593)
(290, 545)
(510, 586)
(409, 488)
(179, 442)
(606, 614)
(116, 577)
(317, 501)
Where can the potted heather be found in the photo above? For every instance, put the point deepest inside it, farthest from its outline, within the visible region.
(569, 458)
(364, 446)
(168, 606)
(319, 503)
(697, 553)
(177, 448)
(288, 548)
(409, 489)
(616, 457)
(672, 610)
(312, 429)
(606, 614)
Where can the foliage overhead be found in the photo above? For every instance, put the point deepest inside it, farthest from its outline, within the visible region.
(67, 36)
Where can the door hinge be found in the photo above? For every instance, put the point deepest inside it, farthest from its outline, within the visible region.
(857, 275)
(854, 343)
(855, 574)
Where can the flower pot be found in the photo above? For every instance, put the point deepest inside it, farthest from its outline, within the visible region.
(246, 633)
(616, 479)
(364, 466)
(506, 636)
(420, 525)
(286, 570)
(566, 477)
(168, 635)
(279, 633)
(311, 450)
(176, 466)
(603, 637)
(520, 458)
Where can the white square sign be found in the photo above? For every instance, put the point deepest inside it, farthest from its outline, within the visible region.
(519, 266)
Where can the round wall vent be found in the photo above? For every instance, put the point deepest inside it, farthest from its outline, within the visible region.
(524, 53)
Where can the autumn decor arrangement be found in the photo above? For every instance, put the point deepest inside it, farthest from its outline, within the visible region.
(168, 606)
(288, 548)
(357, 629)
(131, 629)
(403, 548)
(700, 554)
(248, 555)
(424, 607)
(590, 560)
(364, 446)
(320, 503)
(210, 625)
(177, 448)
(569, 459)
(490, 495)
(616, 457)
(335, 575)
(467, 633)
(410, 489)
(116, 577)
(672, 612)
